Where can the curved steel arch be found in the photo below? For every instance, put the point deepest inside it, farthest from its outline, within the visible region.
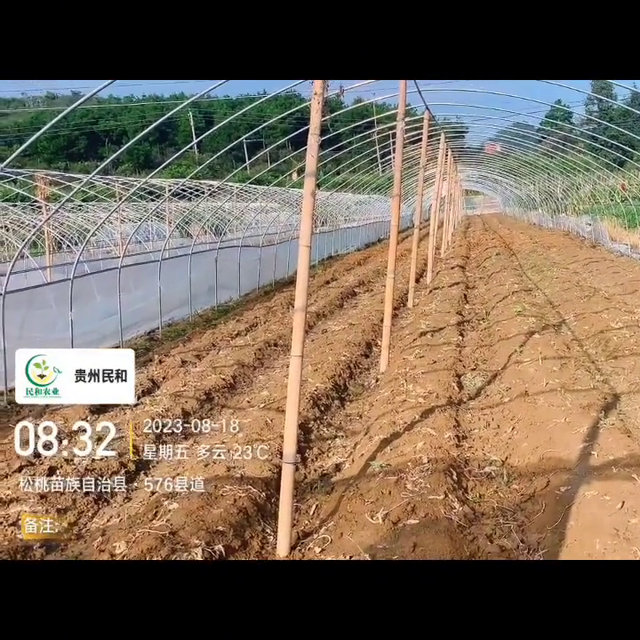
(119, 221)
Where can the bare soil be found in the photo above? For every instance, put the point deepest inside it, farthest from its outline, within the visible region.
(506, 427)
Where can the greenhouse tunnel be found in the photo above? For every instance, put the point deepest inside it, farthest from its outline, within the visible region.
(196, 201)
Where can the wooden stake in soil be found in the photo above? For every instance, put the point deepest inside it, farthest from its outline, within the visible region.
(454, 208)
(119, 221)
(435, 207)
(458, 202)
(167, 213)
(396, 206)
(417, 216)
(43, 189)
(447, 207)
(447, 204)
(292, 411)
(457, 205)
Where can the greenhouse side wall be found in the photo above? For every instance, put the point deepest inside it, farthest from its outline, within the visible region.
(46, 315)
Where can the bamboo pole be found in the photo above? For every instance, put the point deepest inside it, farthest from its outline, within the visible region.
(417, 216)
(464, 203)
(447, 209)
(447, 204)
(167, 216)
(461, 202)
(292, 411)
(454, 209)
(454, 206)
(43, 190)
(396, 205)
(435, 207)
(119, 220)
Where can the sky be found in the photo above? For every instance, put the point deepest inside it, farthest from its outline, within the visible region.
(13, 88)
(479, 103)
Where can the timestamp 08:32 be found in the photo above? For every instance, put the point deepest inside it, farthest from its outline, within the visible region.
(206, 425)
(46, 439)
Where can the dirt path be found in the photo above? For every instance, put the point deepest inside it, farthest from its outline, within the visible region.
(594, 297)
(506, 425)
(236, 371)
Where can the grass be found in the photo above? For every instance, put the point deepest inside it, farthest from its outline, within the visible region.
(627, 212)
(618, 233)
(205, 320)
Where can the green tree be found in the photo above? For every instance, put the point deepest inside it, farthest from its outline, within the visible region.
(272, 134)
(629, 120)
(602, 115)
(557, 130)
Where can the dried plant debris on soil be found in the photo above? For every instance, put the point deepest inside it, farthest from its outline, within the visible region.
(504, 427)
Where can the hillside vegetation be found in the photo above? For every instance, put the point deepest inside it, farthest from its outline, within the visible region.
(92, 133)
(564, 145)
